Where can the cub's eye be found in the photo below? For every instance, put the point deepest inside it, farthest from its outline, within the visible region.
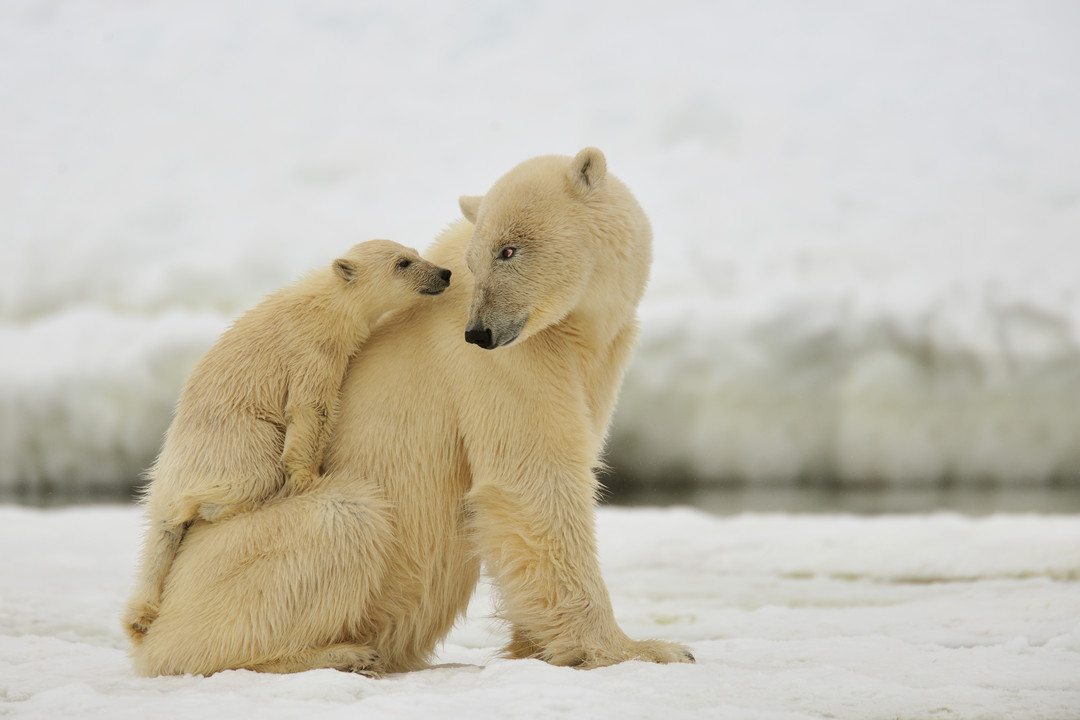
(404, 263)
(507, 252)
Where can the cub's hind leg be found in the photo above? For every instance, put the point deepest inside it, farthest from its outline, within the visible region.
(160, 545)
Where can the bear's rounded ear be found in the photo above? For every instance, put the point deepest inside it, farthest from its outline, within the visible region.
(345, 269)
(470, 205)
(587, 170)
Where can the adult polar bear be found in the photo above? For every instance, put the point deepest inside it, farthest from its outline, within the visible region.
(447, 454)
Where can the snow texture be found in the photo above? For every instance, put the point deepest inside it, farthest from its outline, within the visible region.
(789, 617)
(867, 216)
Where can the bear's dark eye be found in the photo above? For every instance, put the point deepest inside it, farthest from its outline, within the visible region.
(507, 252)
(404, 263)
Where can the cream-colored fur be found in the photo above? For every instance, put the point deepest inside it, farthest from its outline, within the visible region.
(446, 455)
(254, 415)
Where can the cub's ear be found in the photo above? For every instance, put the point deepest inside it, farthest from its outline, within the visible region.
(587, 170)
(345, 269)
(470, 204)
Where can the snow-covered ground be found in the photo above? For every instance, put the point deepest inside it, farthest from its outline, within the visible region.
(867, 215)
(789, 617)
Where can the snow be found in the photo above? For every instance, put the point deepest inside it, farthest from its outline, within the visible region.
(867, 217)
(789, 616)
(867, 272)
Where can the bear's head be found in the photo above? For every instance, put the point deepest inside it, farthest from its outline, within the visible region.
(549, 233)
(385, 274)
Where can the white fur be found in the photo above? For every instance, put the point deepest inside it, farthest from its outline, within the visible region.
(444, 456)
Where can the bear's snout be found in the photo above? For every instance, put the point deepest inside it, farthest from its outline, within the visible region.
(437, 283)
(480, 337)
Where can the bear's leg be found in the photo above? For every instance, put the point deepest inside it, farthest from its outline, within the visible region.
(342, 656)
(538, 542)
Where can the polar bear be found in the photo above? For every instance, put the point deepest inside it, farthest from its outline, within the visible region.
(253, 417)
(467, 434)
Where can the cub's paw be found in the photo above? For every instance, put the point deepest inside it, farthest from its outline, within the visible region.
(212, 512)
(137, 620)
(298, 479)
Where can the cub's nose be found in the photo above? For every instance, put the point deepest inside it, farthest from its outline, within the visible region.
(479, 337)
(445, 275)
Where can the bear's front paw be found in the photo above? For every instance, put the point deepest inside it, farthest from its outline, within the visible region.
(657, 651)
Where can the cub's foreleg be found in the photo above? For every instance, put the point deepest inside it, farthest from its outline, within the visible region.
(309, 416)
(305, 442)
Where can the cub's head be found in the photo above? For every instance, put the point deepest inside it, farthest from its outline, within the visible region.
(386, 274)
(535, 245)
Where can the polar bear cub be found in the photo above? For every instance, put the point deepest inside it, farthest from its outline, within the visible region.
(254, 415)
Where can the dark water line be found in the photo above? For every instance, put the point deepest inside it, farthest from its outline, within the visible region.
(971, 501)
(719, 500)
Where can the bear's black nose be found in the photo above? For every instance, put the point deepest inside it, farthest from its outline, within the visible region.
(445, 275)
(481, 338)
